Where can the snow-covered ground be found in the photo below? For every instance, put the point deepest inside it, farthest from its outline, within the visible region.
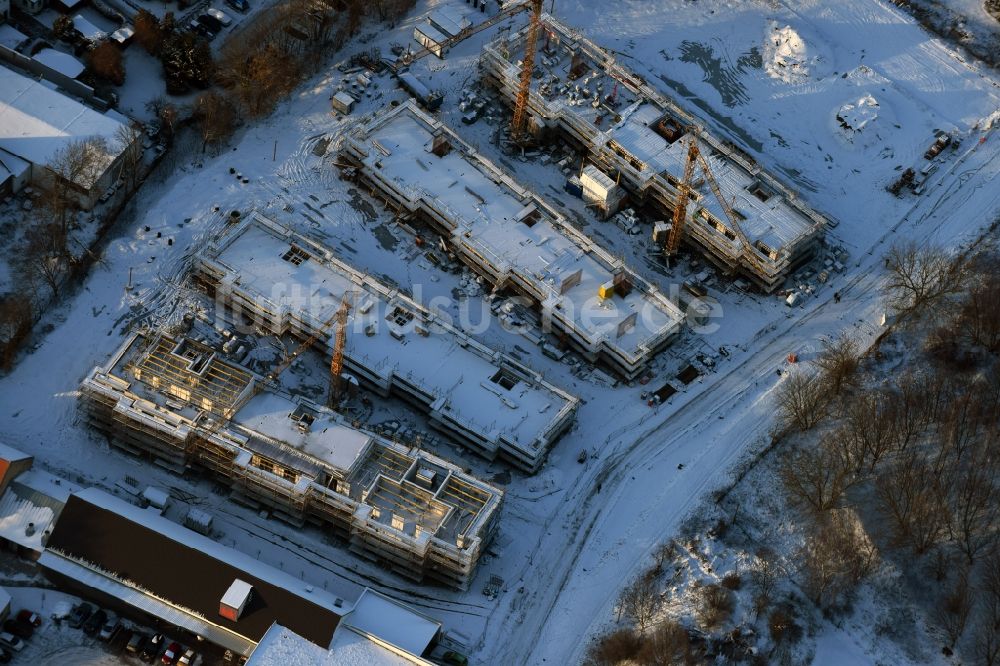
(572, 534)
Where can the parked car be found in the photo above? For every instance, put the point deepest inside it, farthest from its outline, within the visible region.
(170, 655)
(210, 22)
(11, 641)
(80, 615)
(94, 623)
(152, 648)
(241, 6)
(200, 29)
(190, 658)
(29, 617)
(219, 15)
(110, 625)
(137, 643)
(19, 629)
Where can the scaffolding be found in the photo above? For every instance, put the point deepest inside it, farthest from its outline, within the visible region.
(399, 505)
(630, 129)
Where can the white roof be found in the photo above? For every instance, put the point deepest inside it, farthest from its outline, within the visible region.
(448, 20)
(282, 647)
(9, 453)
(36, 122)
(156, 496)
(15, 515)
(63, 63)
(10, 36)
(123, 33)
(237, 593)
(431, 33)
(12, 164)
(89, 31)
(774, 222)
(344, 98)
(485, 205)
(444, 364)
(377, 615)
(326, 440)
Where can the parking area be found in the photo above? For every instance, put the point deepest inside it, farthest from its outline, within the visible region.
(58, 628)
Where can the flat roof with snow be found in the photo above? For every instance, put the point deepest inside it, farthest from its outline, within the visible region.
(326, 439)
(514, 230)
(582, 84)
(37, 122)
(391, 338)
(61, 62)
(349, 647)
(396, 624)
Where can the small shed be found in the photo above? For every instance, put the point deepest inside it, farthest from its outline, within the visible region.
(123, 35)
(157, 498)
(431, 38)
(342, 103)
(199, 521)
(235, 600)
(600, 190)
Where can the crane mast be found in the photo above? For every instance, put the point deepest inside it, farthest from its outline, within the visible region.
(337, 362)
(683, 193)
(519, 126)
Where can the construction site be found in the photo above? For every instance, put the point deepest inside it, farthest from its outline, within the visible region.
(588, 298)
(729, 209)
(179, 402)
(284, 283)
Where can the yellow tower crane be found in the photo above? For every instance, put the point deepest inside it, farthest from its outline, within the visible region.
(337, 362)
(519, 126)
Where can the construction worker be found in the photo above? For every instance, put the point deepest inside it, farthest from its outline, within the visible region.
(836, 297)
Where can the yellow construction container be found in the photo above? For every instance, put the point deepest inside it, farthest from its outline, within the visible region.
(606, 290)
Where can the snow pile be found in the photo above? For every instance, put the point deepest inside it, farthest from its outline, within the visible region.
(786, 56)
(855, 116)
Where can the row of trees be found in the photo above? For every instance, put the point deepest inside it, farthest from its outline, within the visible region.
(917, 455)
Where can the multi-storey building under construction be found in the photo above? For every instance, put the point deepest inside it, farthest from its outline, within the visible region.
(513, 238)
(483, 399)
(633, 132)
(184, 404)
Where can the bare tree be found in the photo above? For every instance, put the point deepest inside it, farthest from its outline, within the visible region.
(615, 648)
(764, 574)
(667, 645)
(913, 497)
(975, 503)
(15, 325)
(77, 165)
(43, 261)
(953, 608)
(802, 400)
(919, 277)
(836, 556)
(216, 117)
(869, 431)
(639, 601)
(816, 478)
(716, 606)
(839, 361)
(129, 136)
